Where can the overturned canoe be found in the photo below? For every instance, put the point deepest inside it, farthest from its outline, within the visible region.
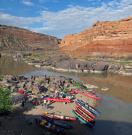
(66, 100)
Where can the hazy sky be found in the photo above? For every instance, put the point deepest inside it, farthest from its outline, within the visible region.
(60, 17)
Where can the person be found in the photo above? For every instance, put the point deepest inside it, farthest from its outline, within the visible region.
(48, 80)
(82, 69)
(23, 103)
(44, 103)
(48, 103)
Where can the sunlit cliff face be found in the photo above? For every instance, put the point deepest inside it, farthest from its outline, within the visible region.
(104, 37)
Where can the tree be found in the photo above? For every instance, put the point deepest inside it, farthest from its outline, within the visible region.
(5, 100)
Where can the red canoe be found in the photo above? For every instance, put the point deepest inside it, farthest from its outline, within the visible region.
(66, 100)
(85, 110)
(82, 116)
(85, 113)
(90, 95)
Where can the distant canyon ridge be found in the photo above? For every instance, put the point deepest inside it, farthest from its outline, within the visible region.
(14, 38)
(112, 38)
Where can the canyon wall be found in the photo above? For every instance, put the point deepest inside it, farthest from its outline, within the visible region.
(104, 38)
(14, 38)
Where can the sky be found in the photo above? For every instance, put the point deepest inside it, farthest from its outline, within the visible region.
(61, 17)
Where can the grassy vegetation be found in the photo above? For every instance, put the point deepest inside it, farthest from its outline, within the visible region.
(5, 100)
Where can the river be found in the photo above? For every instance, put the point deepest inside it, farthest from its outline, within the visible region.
(116, 104)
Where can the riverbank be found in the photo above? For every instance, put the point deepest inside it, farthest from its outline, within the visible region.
(115, 114)
(35, 91)
(63, 63)
(82, 66)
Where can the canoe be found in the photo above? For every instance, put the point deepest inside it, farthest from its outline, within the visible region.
(83, 116)
(88, 107)
(90, 95)
(58, 123)
(84, 113)
(79, 117)
(51, 127)
(60, 117)
(66, 100)
(86, 94)
(86, 110)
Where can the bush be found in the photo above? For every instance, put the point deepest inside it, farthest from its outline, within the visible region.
(5, 100)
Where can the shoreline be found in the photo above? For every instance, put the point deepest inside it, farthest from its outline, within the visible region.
(80, 71)
(116, 86)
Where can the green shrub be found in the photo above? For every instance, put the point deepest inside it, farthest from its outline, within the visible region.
(5, 100)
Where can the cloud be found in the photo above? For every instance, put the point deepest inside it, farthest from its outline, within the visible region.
(27, 2)
(8, 19)
(73, 19)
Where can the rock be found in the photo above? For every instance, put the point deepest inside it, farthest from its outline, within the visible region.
(104, 38)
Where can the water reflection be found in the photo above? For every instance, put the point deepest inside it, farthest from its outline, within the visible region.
(9, 66)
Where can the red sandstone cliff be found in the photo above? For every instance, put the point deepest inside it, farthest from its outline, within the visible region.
(21, 39)
(111, 38)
